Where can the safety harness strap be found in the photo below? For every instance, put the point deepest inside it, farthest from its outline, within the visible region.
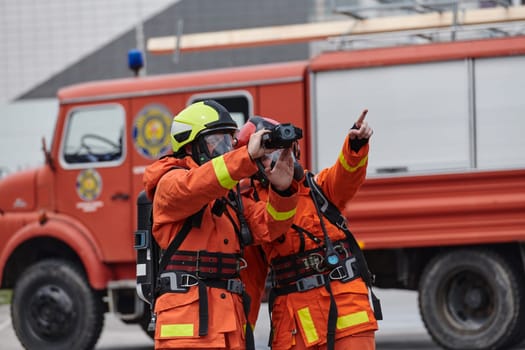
(332, 318)
(192, 221)
(292, 268)
(327, 209)
(204, 264)
(232, 285)
(330, 211)
(229, 284)
(203, 310)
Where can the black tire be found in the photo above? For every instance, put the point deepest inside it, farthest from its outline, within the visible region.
(53, 307)
(472, 299)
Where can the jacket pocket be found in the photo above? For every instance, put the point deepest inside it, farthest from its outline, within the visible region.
(311, 315)
(226, 313)
(353, 306)
(177, 315)
(311, 324)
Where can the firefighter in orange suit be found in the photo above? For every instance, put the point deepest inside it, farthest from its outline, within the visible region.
(202, 224)
(321, 284)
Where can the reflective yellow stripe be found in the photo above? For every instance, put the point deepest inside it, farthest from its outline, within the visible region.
(352, 319)
(246, 325)
(222, 173)
(308, 325)
(280, 215)
(347, 167)
(176, 330)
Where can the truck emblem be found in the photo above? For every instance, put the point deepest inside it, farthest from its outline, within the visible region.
(151, 131)
(89, 184)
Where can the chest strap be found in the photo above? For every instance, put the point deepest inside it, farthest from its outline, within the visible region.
(204, 264)
(292, 268)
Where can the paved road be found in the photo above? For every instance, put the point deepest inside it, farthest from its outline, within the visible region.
(402, 328)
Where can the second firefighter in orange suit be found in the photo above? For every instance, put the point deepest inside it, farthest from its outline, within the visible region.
(201, 298)
(306, 288)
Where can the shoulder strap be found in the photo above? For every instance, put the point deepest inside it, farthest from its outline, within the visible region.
(332, 213)
(192, 221)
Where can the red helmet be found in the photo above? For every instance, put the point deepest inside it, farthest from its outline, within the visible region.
(253, 125)
(257, 123)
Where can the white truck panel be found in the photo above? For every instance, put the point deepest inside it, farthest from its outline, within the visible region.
(419, 112)
(500, 112)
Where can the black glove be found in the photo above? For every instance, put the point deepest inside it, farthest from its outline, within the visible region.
(356, 144)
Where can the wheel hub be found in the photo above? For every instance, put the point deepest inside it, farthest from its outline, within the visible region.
(474, 298)
(52, 312)
(470, 301)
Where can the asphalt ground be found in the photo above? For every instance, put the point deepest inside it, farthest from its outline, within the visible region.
(401, 328)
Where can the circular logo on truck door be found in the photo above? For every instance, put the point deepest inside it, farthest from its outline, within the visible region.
(89, 184)
(151, 131)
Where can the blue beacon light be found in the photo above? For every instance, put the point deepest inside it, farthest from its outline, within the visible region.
(135, 60)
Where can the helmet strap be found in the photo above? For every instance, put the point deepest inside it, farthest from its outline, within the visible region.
(298, 171)
(198, 155)
(260, 175)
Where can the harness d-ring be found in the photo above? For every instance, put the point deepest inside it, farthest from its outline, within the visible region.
(244, 264)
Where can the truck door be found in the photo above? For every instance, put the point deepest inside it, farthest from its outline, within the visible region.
(93, 176)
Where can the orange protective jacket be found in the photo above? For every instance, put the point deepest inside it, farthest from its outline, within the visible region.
(305, 313)
(182, 191)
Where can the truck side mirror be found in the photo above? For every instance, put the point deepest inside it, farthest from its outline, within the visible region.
(47, 155)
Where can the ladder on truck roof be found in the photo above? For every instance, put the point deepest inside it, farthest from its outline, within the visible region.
(392, 20)
(434, 21)
(413, 6)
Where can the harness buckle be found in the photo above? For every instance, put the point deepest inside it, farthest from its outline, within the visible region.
(235, 286)
(338, 273)
(241, 264)
(197, 264)
(310, 282)
(341, 249)
(346, 271)
(341, 223)
(314, 261)
(188, 280)
(170, 280)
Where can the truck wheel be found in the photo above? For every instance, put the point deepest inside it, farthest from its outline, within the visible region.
(472, 299)
(53, 307)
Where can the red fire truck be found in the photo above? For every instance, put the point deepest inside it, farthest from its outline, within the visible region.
(442, 210)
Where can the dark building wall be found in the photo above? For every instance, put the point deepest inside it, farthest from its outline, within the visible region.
(198, 16)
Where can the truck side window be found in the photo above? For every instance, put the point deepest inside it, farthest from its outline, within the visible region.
(94, 135)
